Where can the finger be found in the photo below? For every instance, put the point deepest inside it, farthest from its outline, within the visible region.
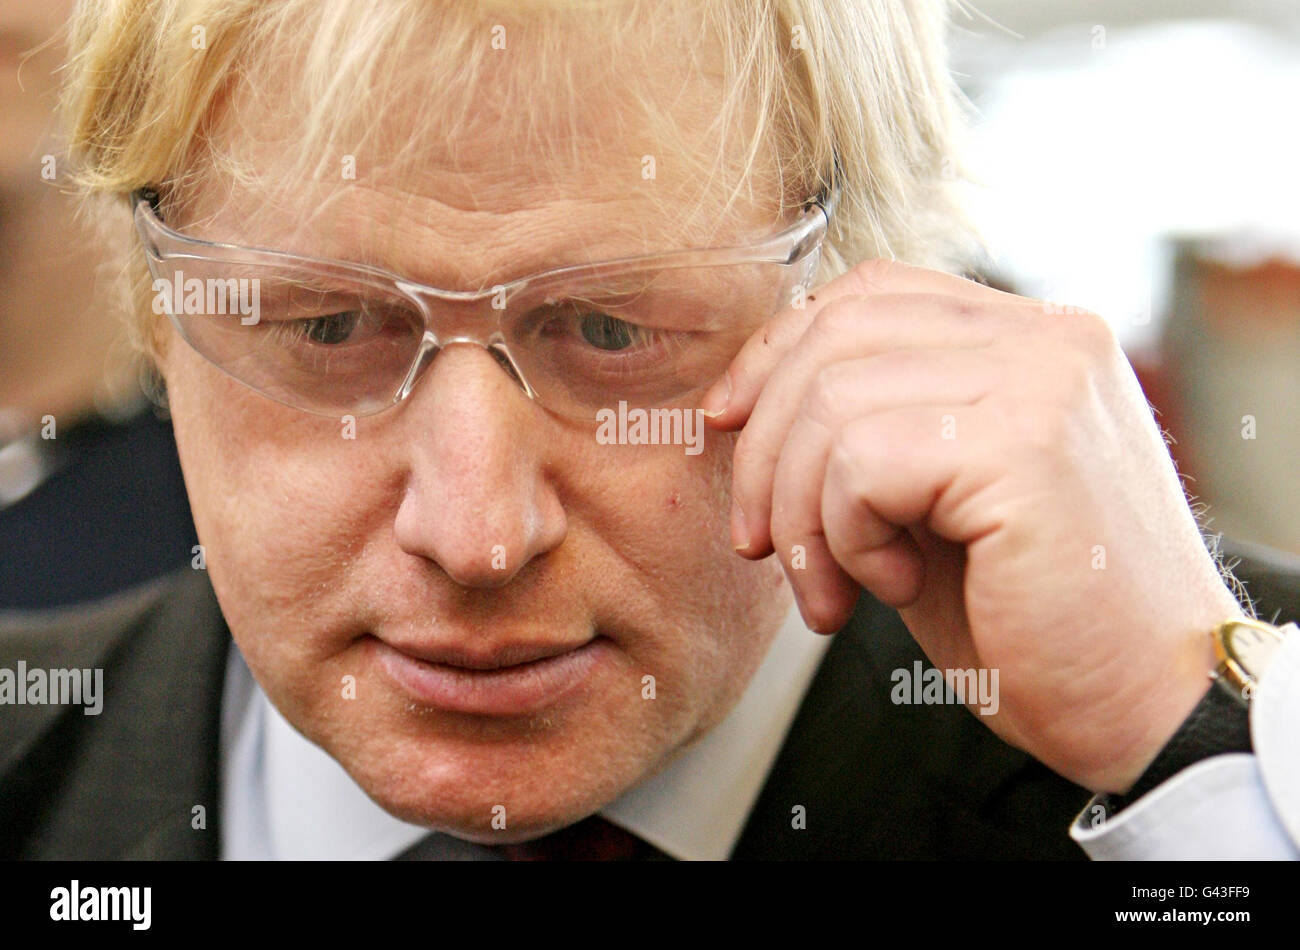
(851, 328)
(735, 394)
(842, 393)
(899, 469)
(936, 616)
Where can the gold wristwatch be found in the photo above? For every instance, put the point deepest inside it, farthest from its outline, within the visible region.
(1220, 723)
(1244, 649)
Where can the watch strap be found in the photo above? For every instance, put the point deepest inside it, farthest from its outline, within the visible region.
(1219, 724)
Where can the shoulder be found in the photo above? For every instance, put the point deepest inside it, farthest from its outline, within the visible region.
(134, 637)
(1270, 578)
(82, 630)
(109, 733)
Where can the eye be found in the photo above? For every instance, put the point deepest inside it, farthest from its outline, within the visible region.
(589, 332)
(332, 329)
(609, 333)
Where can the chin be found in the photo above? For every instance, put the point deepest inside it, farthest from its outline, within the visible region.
(472, 801)
(494, 786)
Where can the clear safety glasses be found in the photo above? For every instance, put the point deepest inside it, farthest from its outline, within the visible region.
(333, 337)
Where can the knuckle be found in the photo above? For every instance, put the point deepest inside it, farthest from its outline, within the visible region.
(1093, 335)
(1044, 431)
(1072, 376)
(838, 318)
(844, 454)
(871, 274)
(829, 393)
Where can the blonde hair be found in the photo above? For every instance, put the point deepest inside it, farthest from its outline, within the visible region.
(854, 89)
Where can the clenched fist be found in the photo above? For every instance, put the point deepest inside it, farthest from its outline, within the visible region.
(992, 470)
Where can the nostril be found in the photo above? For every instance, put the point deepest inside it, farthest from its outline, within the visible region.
(477, 578)
(493, 567)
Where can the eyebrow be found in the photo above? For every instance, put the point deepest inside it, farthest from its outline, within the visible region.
(483, 266)
(615, 246)
(390, 256)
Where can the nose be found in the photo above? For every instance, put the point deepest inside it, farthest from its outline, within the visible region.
(477, 501)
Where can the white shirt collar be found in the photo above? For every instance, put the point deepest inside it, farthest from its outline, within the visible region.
(285, 798)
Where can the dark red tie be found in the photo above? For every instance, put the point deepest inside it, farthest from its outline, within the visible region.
(592, 839)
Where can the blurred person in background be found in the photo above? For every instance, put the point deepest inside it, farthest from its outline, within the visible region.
(91, 495)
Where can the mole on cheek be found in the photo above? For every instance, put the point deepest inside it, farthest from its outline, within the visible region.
(674, 501)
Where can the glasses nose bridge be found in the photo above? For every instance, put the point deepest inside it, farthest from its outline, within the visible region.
(471, 316)
(478, 322)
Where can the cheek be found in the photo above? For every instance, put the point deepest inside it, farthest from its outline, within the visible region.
(281, 499)
(666, 513)
(662, 521)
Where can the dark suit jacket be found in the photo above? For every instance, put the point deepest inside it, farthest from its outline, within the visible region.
(115, 486)
(876, 780)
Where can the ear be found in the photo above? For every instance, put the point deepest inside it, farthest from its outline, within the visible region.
(158, 358)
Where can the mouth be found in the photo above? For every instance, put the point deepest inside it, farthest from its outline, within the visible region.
(510, 680)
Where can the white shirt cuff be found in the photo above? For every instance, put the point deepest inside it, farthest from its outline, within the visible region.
(1215, 809)
(1225, 807)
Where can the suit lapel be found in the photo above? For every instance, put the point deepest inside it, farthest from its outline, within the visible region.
(875, 779)
(140, 779)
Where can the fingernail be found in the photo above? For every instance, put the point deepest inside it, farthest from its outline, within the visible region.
(811, 621)
(739, 530)
(716, 399)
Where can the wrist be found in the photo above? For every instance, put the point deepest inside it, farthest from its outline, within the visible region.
(1171, 701)
(1220, 722)
(1218, 725)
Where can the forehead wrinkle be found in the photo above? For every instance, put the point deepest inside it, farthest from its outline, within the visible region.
(466, 188)
(440, 244)
(470, 251)
(481, 208)
(506, 137)
(484, 248)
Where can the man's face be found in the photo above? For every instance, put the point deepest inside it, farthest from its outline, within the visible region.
(371, 581)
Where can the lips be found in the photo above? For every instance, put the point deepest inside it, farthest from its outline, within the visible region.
(514, 654)
(506, 680)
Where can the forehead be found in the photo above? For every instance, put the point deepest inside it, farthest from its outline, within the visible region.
(464, 153)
